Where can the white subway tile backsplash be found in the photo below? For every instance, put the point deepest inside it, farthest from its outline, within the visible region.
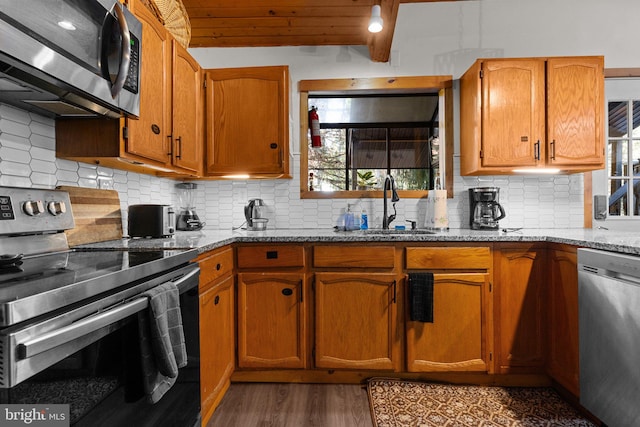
(15, 155)
(27, 158)
(13, 168)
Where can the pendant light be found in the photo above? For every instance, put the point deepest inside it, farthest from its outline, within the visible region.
(375, 23)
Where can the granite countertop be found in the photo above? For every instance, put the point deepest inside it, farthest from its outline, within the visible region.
(625, 242)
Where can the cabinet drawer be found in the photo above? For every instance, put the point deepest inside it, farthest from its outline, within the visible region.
(448, 258)
(215, 266)
(270, 256)
(354, 256)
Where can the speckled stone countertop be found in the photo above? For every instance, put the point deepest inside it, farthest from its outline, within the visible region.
(625, 242)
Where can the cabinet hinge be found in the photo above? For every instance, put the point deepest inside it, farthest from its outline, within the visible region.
(490, 287)
(481, 73)
(481, 154)
(125, 132)
(490, 356)
(313, 353)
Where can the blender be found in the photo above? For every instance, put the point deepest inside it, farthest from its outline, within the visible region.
(187, 219)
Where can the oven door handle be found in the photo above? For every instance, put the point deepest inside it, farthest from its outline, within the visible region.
(93, 323)
(80, 328)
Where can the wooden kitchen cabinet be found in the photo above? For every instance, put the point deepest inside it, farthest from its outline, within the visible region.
(457, 339)
(563, 363)
(532, 113)
(520, 310)
(271, 320)
(248, 122)
(168, 137)
(356, 321)
(217, 328)
(272, 307)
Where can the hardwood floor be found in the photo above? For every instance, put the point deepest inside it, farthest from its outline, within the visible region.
(293, 405)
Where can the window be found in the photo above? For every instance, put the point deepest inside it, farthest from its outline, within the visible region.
(623, 158)
(373, 127)
(616, 188)
(366, 137)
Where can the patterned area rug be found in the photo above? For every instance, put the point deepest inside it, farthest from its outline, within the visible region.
(397, 403)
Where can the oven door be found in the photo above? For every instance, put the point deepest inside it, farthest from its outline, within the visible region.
(92, 362)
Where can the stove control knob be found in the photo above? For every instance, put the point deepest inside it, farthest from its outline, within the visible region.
(56, 208)
(33, 207)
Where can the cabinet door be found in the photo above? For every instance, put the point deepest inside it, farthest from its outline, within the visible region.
(513, 100)
(575, 111)
(248, 121)
(217, 344)
(271, 320)
(356, 324)
(187, 110)
(148, 136)
(519, 305)
(456, 340)
(563, 320)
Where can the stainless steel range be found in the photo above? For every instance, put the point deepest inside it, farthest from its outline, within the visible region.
(68, 318)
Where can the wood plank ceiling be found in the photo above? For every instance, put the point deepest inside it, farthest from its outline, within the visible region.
(259, 23)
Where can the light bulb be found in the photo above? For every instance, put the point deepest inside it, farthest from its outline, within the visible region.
(375, 23)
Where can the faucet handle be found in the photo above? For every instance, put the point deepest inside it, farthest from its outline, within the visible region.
(413, 224)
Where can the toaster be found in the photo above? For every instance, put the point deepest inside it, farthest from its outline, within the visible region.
(151, 221)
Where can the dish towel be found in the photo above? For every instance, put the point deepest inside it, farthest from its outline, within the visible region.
(162, 344)
(421, 297)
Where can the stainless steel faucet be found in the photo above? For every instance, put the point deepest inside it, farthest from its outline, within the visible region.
(389, 184)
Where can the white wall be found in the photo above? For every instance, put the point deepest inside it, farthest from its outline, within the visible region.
(430, 39)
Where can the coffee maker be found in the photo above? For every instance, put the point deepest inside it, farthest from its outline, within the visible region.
(187, 219)
(485, 210)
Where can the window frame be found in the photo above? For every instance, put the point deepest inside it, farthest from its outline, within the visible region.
(376, 85)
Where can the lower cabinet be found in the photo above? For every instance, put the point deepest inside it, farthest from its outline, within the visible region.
(272, 320)
(519, 302)
(356, 323)
(455, 340)
(563, 363)
(217, 328)
(458, 338)
(217, 345)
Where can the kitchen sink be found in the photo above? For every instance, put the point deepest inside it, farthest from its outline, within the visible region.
(395, 232)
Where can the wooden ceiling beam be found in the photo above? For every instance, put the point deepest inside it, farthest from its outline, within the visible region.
(380, 43)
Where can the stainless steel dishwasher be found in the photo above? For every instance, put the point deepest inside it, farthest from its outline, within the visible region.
(609, 313)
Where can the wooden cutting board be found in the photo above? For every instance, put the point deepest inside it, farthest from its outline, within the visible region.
(96, 213)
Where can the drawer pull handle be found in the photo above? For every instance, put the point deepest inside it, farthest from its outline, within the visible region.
(216, 300)
(272, 254)
(218, 266)
(287, 292)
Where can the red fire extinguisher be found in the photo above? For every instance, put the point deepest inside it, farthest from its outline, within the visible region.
(314, 127)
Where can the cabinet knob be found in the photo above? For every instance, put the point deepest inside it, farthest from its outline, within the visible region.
(287, 292)
(216, 300)
(218, 266)
(273, 145)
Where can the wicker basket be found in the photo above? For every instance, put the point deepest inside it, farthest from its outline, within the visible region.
(175, 19)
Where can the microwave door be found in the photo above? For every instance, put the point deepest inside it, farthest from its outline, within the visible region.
(116, 49)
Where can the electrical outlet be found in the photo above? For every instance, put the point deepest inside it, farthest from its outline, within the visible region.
(600, 207)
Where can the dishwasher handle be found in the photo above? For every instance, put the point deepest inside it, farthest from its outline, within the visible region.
(91, 324)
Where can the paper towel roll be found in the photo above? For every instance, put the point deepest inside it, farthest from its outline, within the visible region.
(437, 216)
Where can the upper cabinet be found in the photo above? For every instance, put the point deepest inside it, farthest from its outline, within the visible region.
(248, 122)
(532, 113)
(168, 136)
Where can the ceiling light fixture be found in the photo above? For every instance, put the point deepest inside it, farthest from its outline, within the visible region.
(375, 23)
